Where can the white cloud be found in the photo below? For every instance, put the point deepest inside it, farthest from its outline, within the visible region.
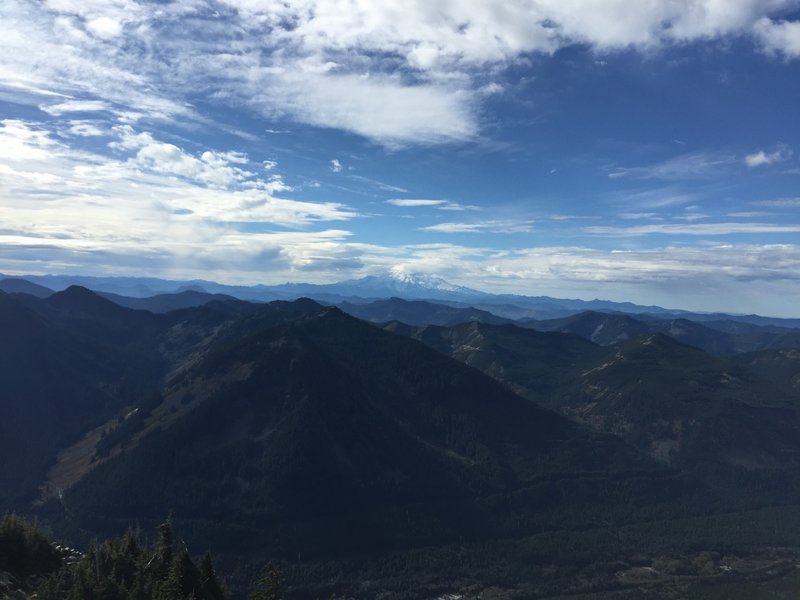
(414, 202)
(750, 214)
(24, 144)
(85, 129)
(761, 158)
(694, 229)
(733, 277)
(433, 33)
(68, 210)
(635, 216)
(779, 203)
(376, 106)
(710, 277)
(671, 263)
(481, 227)
(336, 166)
(70, 106)
(155, 200)
(210, 168)
(49, 49)
(782, 37)
(456, 207)
(104, 27)
(437, 204)
(397, 74)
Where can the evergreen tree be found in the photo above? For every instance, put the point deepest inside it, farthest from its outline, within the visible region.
(48, 590)
(184, 575)
(139, 589)
(270, 586)
(163, 559)
(24, 550)
(211, 586)
(120, 569)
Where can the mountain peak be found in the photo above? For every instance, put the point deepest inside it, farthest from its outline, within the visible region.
(79, 300)
(399, 282)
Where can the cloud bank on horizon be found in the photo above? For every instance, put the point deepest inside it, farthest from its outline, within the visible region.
(643, 151)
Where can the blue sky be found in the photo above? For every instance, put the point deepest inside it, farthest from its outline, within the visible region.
(620, 149)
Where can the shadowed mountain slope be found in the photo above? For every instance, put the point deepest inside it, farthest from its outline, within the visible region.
(56, 383)
(331, 435)
(672, 401)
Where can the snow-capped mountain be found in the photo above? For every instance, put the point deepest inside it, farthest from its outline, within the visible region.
(410, 285)
(394, 283)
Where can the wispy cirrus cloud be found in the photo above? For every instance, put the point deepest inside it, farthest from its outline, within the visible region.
(683, 167)
(437, 204)
(636, 216)
(407, 202)
(490, 226)
(711, 229)
(649, 199)
(778, 203)
(73, 106)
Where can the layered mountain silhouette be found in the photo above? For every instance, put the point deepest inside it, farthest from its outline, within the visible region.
(418, 312)
(394, 283)
(11, 285)
(349, 451)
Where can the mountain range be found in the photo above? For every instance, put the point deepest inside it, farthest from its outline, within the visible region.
(478, 456)
(392, 284)
(606, 323)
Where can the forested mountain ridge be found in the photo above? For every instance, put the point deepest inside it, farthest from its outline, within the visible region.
(674, 402)
(356, 458)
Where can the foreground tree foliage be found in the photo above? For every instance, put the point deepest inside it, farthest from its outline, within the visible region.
(24, 551)
(117, 569)
(270, 586)
(123, 569)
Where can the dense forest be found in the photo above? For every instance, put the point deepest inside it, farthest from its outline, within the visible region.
(121, 568)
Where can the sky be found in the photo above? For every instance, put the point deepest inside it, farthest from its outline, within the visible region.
(632, 150)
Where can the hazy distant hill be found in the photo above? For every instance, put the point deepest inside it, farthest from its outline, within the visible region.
(418, 312)
(720, 338)
(163, 303)
(21, 286)
(409, 286)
